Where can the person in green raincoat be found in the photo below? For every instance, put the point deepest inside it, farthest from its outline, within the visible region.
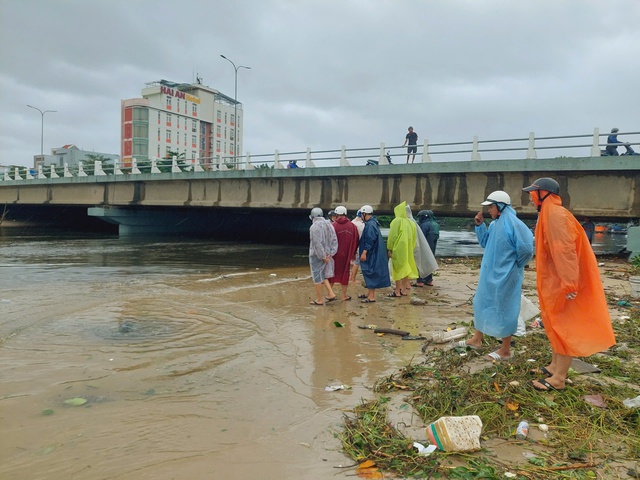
(400, 245)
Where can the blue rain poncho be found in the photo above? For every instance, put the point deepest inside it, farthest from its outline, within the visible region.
(375, 269)
(508, 247)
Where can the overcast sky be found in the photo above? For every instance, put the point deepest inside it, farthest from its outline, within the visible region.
(323, 73)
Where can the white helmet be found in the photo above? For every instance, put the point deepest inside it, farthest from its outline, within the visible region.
(366, 209)
(315, 212)
(497, 197)
(340, 210)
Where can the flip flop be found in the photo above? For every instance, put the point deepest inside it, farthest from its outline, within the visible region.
(393, 295)
(464, 344)
(346, 299)
(430, 284)
(315, 303)
(362, 295)
(419, 285)
(496, 356)
(545, 371)
(547, 386)
(366, 300)
(330, 299)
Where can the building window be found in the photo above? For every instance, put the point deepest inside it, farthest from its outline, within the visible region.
(233, 119)
(231, 134)
(193, 141)
(218, 131)
(178, 104)
(158, 134)
(158, 150)
(178, 121)
(168, 136)
(168, 102)
(225, 117)
(158, 118)
(140, 115)
(168, 119)
(194, 110)
(193, 126)
(218, 116)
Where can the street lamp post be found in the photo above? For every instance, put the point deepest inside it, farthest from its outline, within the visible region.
(42, 126)
(235, 107)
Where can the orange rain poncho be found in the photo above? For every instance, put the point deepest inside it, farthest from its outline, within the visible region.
(565, 263)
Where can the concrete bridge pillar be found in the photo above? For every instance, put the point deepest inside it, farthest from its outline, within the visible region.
(52, 172)
(174, 165)
(426, 158)
(67, 173)
(7, 177)
(475, 154)
(595, 149)
(276, 161)
(81, 172)
(197, 167)
(154, 165)
(98, 171)
(116, 168)
(343, 157)
(531, 152)
(248, 164)
(383, 158)
(309, 163)
(40, 173)
(134, 167)
(16, 174)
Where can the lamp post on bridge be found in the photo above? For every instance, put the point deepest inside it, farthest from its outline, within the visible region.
(235, 107)
(42, 126)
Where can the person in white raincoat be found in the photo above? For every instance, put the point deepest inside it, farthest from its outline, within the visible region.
(508, 247)
(425, 259)
(323, 244)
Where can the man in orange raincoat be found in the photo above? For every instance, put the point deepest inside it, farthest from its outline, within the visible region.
(572, 303)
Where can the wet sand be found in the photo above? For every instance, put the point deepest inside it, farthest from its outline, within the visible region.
(213, 376)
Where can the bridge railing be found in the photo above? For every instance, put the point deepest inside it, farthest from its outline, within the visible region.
(587, 145)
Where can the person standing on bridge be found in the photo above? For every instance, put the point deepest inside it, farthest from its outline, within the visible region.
(373, 256)
(573, 306)
(508, 247)
(322, 246)
(348, 238)
(412, 139)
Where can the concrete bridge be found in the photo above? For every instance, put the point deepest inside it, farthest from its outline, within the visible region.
(603, 188)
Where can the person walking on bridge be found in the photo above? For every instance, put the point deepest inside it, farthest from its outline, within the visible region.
(573, 305)
(412, 138)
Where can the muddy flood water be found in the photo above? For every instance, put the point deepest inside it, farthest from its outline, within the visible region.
(191, 359)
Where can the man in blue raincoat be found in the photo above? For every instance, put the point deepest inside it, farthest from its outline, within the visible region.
(508, 247)
(373, 256)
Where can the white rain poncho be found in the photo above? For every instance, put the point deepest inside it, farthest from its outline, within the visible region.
(323, 243)
(425, 259)
(508, 247)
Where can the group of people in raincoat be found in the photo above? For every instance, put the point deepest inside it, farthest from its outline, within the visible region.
(573, 306)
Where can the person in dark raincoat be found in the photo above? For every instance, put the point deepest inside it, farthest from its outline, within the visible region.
(373, 256)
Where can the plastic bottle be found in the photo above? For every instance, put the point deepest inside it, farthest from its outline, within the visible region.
(523, 430)
(444, 337)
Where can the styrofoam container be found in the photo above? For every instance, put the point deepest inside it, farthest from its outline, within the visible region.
(456, 434)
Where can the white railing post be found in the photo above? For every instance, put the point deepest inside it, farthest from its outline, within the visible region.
(97, 169)
(249, 165)
(595, 149)
(197, 167)
(81, 172)
(383, 159)
(6, 176)
(27, 173)
(343, 157)
(53, 173)
(116, 168)
(16, 174)
(475, 154)
(276, 160)
(308, 162)
(134, 166)
(67, 173)
(174, 165)
(40, 173)
(154, 165)
(426, 158)
(531, 152)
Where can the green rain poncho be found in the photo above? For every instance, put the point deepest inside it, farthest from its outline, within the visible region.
(401, 242)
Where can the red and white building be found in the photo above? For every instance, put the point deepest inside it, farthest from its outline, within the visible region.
(195, 121)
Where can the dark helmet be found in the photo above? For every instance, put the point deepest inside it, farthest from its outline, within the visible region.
(425, 213)
(548, 184)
